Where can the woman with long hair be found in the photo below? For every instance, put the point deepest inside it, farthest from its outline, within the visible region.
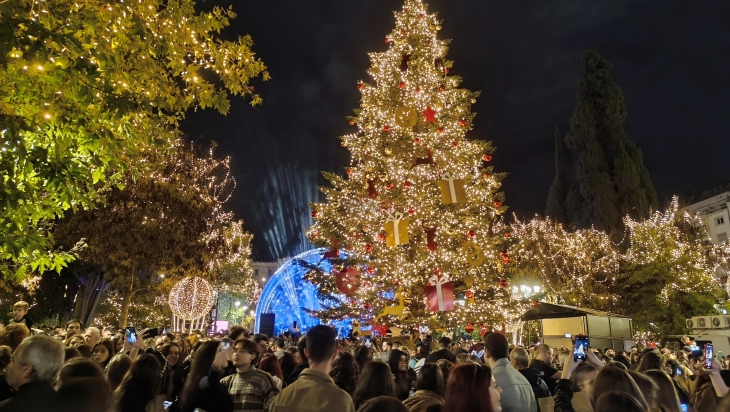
(118, 366)
(140, 387)
(650, 360)
(202, 387)
(618, 401)
(383, 404)
(471, 388)
(270, 364)
(611, 378)
(102, 352)
(344, 372)
(362, 355)
(287, 363)
(375, 380)
(403, 375)
(429, 389)
(14, 333)
(667, 396)
(173, 379)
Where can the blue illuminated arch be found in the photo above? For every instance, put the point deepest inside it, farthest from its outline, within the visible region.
(287, 293)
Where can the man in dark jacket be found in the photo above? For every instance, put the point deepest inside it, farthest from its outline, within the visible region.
(32, 369)
(520, 360)
(442, 353)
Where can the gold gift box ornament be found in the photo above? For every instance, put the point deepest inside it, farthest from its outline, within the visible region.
(452, 190)
(396, 229)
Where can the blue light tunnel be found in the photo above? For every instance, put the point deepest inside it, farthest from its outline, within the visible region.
(287, 293)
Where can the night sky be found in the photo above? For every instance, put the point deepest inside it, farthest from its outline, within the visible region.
(670, 57)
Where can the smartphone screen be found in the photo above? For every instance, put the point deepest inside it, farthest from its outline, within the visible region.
(225, 344)
(166, 404)
(131, 334)
(368, 343)
(581, 346)
(709, 354)
(685, 407)
(677, 371)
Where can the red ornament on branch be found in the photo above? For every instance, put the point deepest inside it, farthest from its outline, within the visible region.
(372, 190)
(430, 115)
(402, 85)
(367, 306)
(535, 304)
(418, 90)
(407, 184)
(440, 130)
(497, 203)
(462, 122)
(471, 233)
(360, 86)
(442, 88)
(386, 128)
(469, 294)
(389, 186)
(417, 140)
(351, 122)
(486, 176)
(486, 157)
(382, 236)
(369, 248)
(314, 214)
(503, 283)
(431, 243)
(469, 328)
(348, 170)
(454, 143)
(371, 270)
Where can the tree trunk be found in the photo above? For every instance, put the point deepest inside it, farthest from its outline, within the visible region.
(92, 288)
(127, 294)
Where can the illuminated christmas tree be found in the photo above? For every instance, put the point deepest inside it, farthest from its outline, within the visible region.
(420, 203)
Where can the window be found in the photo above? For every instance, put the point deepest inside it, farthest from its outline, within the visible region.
(722, 237)
(270, 272)
(255, 272)
(719, 221)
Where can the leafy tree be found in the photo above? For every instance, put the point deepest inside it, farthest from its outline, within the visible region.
(168, 221)
(86, 86)
(607, 179)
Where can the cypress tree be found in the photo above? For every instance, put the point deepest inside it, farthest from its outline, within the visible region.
(555, 207)
(607, 179)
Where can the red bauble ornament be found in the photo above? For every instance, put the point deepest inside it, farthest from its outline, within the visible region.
(353, 302)
(382, 236)
(351, 123)
(462, 122)
(314, 214)
(348, 281)
(436, 271)
(454, 143)
(360, 86)
(420, 16)
(507, 234)
(387, 40)
(503, 282)
(386, 128)
(469, 328)
(441, 130)
(402, 85)
(418, 90)
(367, 306)
(469, 294)
(471, 233)
(371, 270)
(372, 190)
(369, 248)
(417, 140)
(411, 211)
(407, 184)
(486, 157)
(389, 186)
(349, 170)
(442, 88)
(535, 304)
(486, 175)
(497, 203)
(446, 70)
(404, 32)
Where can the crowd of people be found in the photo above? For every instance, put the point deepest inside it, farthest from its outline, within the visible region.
(88, 369)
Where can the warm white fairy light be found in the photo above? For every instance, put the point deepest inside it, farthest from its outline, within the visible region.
(191, 298)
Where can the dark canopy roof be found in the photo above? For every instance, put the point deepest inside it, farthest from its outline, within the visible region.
(554, 311)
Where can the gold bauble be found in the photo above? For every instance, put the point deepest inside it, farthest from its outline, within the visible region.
(406, 116)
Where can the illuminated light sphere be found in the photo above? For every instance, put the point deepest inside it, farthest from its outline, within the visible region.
(191, 298)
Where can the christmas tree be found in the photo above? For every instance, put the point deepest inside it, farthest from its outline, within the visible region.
(418, 213)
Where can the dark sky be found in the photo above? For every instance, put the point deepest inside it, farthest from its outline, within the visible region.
(671, 58)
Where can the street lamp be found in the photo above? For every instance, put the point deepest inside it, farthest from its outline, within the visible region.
(235, 314)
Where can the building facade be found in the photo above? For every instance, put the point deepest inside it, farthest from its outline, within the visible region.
(714, 213)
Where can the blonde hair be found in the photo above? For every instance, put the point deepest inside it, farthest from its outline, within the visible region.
(21, 304)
